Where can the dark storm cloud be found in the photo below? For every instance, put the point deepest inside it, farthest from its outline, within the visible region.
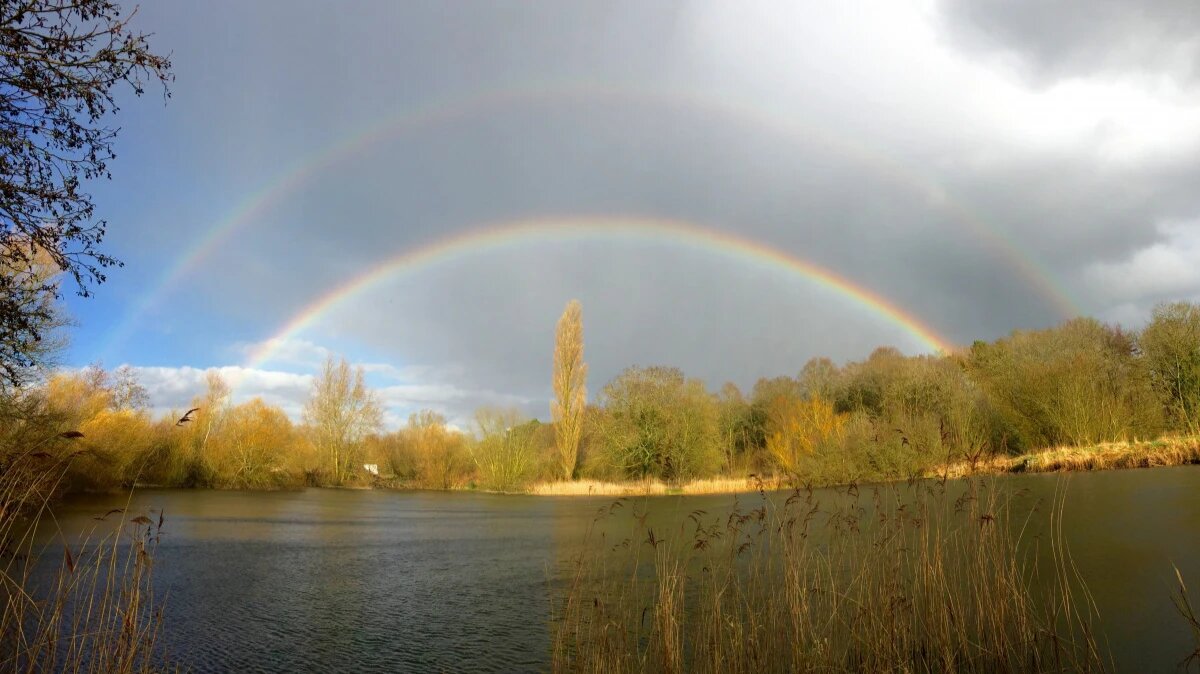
(879, 145)
(1083, 37)
(801, 198)
(814, 206)
(642, 305)
(495, 315)
(1069, 213)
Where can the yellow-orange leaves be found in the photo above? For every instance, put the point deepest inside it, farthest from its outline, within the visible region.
(797, 427)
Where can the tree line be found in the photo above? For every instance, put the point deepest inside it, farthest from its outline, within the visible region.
(886, 417)
(892, 416)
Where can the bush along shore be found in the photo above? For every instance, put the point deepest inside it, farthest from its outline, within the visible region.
(1168, 451)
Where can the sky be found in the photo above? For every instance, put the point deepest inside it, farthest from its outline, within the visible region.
(730, 188)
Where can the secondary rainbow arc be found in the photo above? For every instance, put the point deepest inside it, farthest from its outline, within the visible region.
(441, 111)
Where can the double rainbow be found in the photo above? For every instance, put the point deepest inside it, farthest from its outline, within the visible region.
(250, 210)
(495, 237)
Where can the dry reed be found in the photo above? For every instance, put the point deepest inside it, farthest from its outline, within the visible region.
(1168, 451)
(1183, 603)
(893, 578)
(718, 485)
(92, 611)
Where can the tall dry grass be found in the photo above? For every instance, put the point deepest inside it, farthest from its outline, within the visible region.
(1165, 451)
(715, 485)
(92, 609)
(906, 579)
(1183, 603)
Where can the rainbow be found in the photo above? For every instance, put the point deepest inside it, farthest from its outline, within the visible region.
(250, 209)
(577, 229)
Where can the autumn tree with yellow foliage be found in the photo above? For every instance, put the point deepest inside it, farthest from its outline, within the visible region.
(570, 387)
(109, 409)
(257, 439)
(798, 427)
(437, 450)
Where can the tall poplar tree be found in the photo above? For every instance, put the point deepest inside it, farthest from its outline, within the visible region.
(570, 387)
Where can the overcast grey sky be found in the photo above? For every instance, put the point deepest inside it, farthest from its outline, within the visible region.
(984, 166)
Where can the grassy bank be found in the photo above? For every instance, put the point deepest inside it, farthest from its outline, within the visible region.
(717, 485)
(1167, 451)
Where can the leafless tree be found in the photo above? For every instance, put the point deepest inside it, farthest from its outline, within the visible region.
(62, 64)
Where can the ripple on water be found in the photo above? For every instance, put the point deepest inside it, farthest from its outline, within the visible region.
(326, 580)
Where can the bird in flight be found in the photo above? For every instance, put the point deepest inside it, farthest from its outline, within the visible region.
(187, 417)
(103, 517)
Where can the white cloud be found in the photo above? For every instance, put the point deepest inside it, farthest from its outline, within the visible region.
(1168, 269)
(285, 350)
(1128, 314)
(893, 70)
(174, 388)
(456, 404)
(299, 353)
(412, 372)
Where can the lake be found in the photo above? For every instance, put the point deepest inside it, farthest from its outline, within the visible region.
(450, 581)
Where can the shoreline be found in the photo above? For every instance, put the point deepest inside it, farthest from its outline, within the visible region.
(1167, 451)
(1104, 456)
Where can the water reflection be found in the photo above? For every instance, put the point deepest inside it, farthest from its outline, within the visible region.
(385, 581)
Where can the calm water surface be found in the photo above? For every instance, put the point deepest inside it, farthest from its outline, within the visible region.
(431, 581)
